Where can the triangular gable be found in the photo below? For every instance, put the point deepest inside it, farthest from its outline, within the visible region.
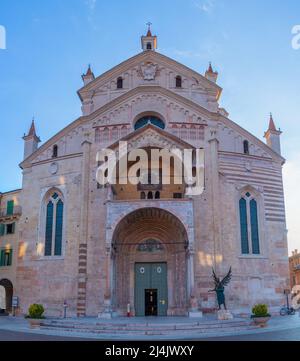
(151, 131)
(163, 60)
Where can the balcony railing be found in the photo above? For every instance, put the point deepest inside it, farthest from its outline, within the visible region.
(17, 211)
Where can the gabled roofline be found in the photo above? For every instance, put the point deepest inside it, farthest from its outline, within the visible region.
(165, 92)
(156, 129)
(251, 137)
(129, 62)
(107, 106)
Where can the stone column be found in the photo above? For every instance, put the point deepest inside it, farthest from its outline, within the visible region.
(191, 272)
(107, 313)
(84, 218)
(108, 284)
(192, 299)
(215, 197)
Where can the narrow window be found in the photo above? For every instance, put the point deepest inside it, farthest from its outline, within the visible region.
(244, 226)
(150, 195)
(149, 46)
(120, 83)
(254, 227)
(6, 258)
(10, 228)
(58, 228)
(55, 151)
(157, 195)
(246, 146)
(49, 229)
(143, 195)
(54, 225)
(178, 81)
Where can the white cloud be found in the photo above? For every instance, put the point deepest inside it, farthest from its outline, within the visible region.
(186, 53)
(291, 178)
(206, 6)
(91, 4)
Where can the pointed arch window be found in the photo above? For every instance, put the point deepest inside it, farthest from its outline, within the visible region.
(249, 226)
(54, 225)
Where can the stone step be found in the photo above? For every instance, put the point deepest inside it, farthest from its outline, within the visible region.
(148, 329)
(151, 333)
(177, 326)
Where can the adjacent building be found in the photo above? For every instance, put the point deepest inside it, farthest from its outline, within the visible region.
(294, 261)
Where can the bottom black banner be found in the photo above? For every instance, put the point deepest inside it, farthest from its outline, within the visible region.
(147, 350)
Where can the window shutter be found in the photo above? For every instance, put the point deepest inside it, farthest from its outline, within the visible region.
(13, 228)
(10, 208)
(254, 227)
(10, 257)
(244, 226)
(2, 229)
(2, 257)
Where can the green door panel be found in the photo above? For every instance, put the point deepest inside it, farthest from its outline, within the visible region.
(151, 276)
(159, 282)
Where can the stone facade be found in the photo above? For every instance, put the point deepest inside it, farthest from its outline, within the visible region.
(103, 226)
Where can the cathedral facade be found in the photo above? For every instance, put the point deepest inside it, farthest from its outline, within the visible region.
(148, 248)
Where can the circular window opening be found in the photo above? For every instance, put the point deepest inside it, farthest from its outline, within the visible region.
(150, 119)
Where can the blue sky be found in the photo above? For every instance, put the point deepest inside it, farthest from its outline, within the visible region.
(50, 44)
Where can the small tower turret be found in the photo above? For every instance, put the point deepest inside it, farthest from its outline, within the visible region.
(272, 136)
(31, 141)
(88, 77)
(149, 42)
(210, 74)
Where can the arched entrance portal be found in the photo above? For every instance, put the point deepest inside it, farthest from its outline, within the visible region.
(150, 264)
(6, 295)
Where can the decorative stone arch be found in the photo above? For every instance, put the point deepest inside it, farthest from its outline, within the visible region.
(182, 210)
(133, 227)
(8, 290)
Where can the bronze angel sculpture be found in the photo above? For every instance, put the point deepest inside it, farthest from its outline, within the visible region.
(220, 286)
